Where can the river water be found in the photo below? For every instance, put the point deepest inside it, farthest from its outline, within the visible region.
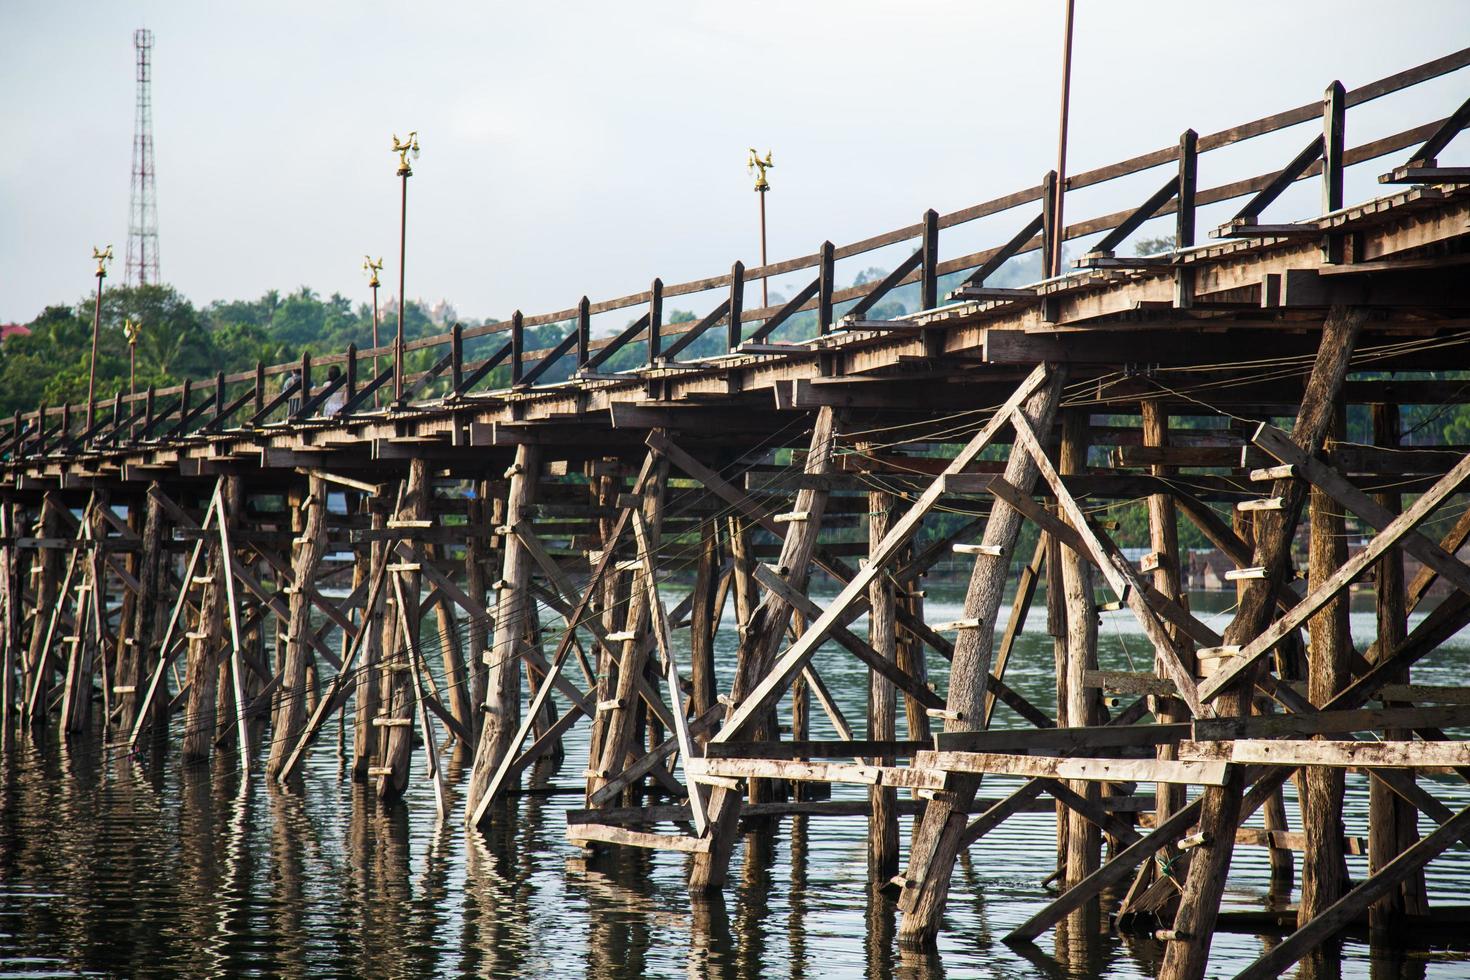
(112, 865)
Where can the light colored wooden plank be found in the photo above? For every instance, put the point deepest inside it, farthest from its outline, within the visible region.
(1205, 772)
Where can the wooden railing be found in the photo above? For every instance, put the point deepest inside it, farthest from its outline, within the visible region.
(243, 399)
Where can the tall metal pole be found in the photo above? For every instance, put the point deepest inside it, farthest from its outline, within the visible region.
(373, 268)
(377, 365)
(1054, 260)
(765, 281)
(754, 164)
(102, 258)
(405, 173)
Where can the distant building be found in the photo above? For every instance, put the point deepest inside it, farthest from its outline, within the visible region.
(8, 330)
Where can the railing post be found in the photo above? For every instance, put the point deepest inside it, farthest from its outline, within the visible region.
(65, 433)
(219, 393)
(1334, 119)
(41, 429)
(150, 401)
(1188, 179)
(517, 346)
(1185, 215)
(655, 321)
(351, 372)
(117, 409)
(737, 304)
(825, 269)
(304, 395)
(259, 391)
(929, 266)
(456, 358)
(584, 331)
(184, 398)
(1049, 232)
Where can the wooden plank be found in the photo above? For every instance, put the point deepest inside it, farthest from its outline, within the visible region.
(1063, 739)
(582, 832)
(918, 777)
(1205, 772)
(1331, 722)
(809, 749)
(1294, 752)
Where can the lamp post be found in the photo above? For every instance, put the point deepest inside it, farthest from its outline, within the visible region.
(103, 257)
(757, 166)
(131, 330)
(373, 268)
(403, 149)
(1054, 260)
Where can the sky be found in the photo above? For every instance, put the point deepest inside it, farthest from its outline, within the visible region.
(578, 147)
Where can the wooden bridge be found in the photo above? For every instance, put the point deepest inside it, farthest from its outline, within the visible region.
(498, 574)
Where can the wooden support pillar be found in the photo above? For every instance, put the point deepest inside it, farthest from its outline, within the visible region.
(1187, 955)
(368, 696)
(11, 590)
(1273, 810)
(910, 652)
(46, 567)
(1324, 864)
(206, 643)
(307, 552)
(400, 693)
(1393, 822)
(544, 723)
(1083, 706)
(704, 623)
(882, 706)
(1056, 628)
(937, 843)
(760, 643)
(611, 607)
(84, 645)
(1163, 528)
(452, 659)
(626, 711)
(476, 561)
(513, 604)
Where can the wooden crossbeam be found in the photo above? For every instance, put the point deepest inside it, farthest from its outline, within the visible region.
(789, 664)
(1331, 482)
(1125, 582)
(1206, 772)
(1342, 912)
(1300, 752)
(1338, 581)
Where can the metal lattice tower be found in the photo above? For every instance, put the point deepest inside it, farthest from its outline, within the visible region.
(142, 262)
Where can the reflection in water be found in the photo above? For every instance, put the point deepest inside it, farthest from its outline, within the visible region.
(121, 865)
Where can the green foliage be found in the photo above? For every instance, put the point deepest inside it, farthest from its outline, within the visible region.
(179, 341)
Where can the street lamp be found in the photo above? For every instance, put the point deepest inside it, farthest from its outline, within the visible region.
(131, 330)
(755, 165)
(103, 256)
(373, 268)
(403, 149)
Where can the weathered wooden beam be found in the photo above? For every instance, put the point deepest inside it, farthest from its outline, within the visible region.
(1353, 568)
(1195, 772)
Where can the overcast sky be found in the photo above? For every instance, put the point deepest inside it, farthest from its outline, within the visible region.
(578, 147)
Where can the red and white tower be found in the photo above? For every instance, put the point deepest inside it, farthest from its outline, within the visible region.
(142, 261)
